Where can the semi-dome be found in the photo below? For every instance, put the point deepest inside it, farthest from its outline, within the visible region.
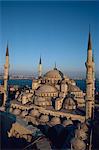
(78, 144)
(69, 103)
(46, 90)
(73, 88)
(55, 73)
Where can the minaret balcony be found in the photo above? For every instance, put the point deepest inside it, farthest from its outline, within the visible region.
(89, 81)
(89, 65)
(88, 98)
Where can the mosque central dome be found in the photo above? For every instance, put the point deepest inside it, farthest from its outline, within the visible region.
(55, 73)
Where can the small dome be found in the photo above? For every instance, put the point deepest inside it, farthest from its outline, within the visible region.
(44, 118)
(72, 82)
(84, 127)
(63, 81)
(55, 120)
(11, 109)
(69, 103)
(16, 111)
(79, 133)
(56, 74)
(46, 89)
(17, 92)
(67, 122)
(35, 113)
(34, 121)
(78, 144)
(24, 113)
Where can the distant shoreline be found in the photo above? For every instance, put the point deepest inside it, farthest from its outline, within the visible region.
(30, 78)
(23, 82)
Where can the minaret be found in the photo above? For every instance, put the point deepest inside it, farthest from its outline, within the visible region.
(89, 81)
(6, 76)
(93, 76)
(93, 89)
(40, 68)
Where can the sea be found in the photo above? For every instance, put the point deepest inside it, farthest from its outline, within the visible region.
(27, 82)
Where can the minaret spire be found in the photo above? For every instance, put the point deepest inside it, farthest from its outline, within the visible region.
(7, 51)
(89, 40)
(40, 68)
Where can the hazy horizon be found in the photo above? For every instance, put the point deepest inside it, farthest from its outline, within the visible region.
(71, 74)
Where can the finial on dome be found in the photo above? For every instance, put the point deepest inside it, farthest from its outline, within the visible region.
(55, 67)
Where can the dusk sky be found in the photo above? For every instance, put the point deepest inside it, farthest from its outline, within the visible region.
(58, 31)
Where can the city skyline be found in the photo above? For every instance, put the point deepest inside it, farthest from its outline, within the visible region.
(55, 30)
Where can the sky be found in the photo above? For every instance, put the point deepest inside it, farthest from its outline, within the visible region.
(55, 30)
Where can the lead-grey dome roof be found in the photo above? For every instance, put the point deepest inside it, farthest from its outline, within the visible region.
(55, 120)
(67, 122)
(55, 73)
(73, 88)
(46, 89)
